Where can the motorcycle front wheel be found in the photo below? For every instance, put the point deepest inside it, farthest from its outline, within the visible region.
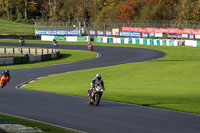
(97, 99)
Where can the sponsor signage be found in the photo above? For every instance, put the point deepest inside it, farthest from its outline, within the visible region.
(158, 34)
(191, 36)
(108, 33)
(197, 36)
(184, 35)
(61, 32)
(161, 30)
(100, 33)
(58, 32)
(151, 34)
(115, 32)
(144, 34)
(129, 34)
(73, 32)
(174, 36)
(92, 32)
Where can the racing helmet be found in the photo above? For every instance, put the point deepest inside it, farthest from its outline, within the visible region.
(7, 71)
(98, 76)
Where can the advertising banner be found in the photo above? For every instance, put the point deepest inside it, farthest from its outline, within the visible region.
(196, 32)
(108, 33)
(129, 34)
(163, 30)
(100, 33)
(188, 31)
(128, 29)
(73, 32)
(173, 30)
(174, 36)
(61, 32)
(144, 34)
(58, 32)
(184, 35)
(92, 32)
(158, 30)
(197, 36)
(115, 32)
(158, 34)
(151, 34)
(191, 36)
(45, 32)
(150, 30)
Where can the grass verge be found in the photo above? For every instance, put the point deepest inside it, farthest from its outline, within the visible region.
(170, 82)
(67, 56)
(44, 127)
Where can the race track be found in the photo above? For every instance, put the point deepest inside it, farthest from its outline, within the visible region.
(75, 112)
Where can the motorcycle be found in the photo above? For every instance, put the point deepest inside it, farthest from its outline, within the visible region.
(55, 44)
(95, 95)
(3, 81)
(90, 47)
(21, 42)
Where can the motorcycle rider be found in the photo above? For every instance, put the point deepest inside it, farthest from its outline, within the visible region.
(5, 75)
(54, 42)
(21, 41)
(89, 43)
(96, 81)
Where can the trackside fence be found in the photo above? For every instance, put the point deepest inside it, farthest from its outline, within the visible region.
(30, 55)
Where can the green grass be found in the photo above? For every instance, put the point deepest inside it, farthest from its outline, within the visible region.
(13, 28)
(44, 127)
(67, 56)
(171, 82)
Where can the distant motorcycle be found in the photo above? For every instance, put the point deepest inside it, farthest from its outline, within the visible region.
(3, 81)
(90, 47)
(95, 96)
(55, 43)
(21, 42)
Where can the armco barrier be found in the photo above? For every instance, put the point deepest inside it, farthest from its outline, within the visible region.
(198, 43)
(67, 38)
(29, 58)
(148, 41)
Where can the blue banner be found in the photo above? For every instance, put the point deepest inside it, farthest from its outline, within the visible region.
(73, 32)
(100, 33)
(130, 34)
(92, 32)
(58, 32)
(108, 33)
(61, 32)
(144, 34)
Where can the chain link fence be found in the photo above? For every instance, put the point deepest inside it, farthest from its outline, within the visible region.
(103, 25)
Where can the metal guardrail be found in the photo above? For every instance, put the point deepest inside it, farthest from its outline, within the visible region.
(30, 55)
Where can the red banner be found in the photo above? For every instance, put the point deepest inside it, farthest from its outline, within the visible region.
(161, 30)
(150, 30)
(196, 32)
(188, 31)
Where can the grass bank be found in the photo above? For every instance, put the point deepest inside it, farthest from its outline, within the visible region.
(170, 82)
(67, 56)
(13, 28)
(44, 127)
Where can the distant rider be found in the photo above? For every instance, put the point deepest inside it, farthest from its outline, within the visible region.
(21, 41)
(54, 42)
(89, 44)
(96, 81)
(6, 75)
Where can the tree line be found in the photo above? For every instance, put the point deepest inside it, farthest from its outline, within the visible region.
(126, 10)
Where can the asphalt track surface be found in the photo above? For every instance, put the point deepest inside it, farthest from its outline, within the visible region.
(75, 113)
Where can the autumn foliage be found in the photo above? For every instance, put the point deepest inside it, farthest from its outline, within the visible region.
(128, 10)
